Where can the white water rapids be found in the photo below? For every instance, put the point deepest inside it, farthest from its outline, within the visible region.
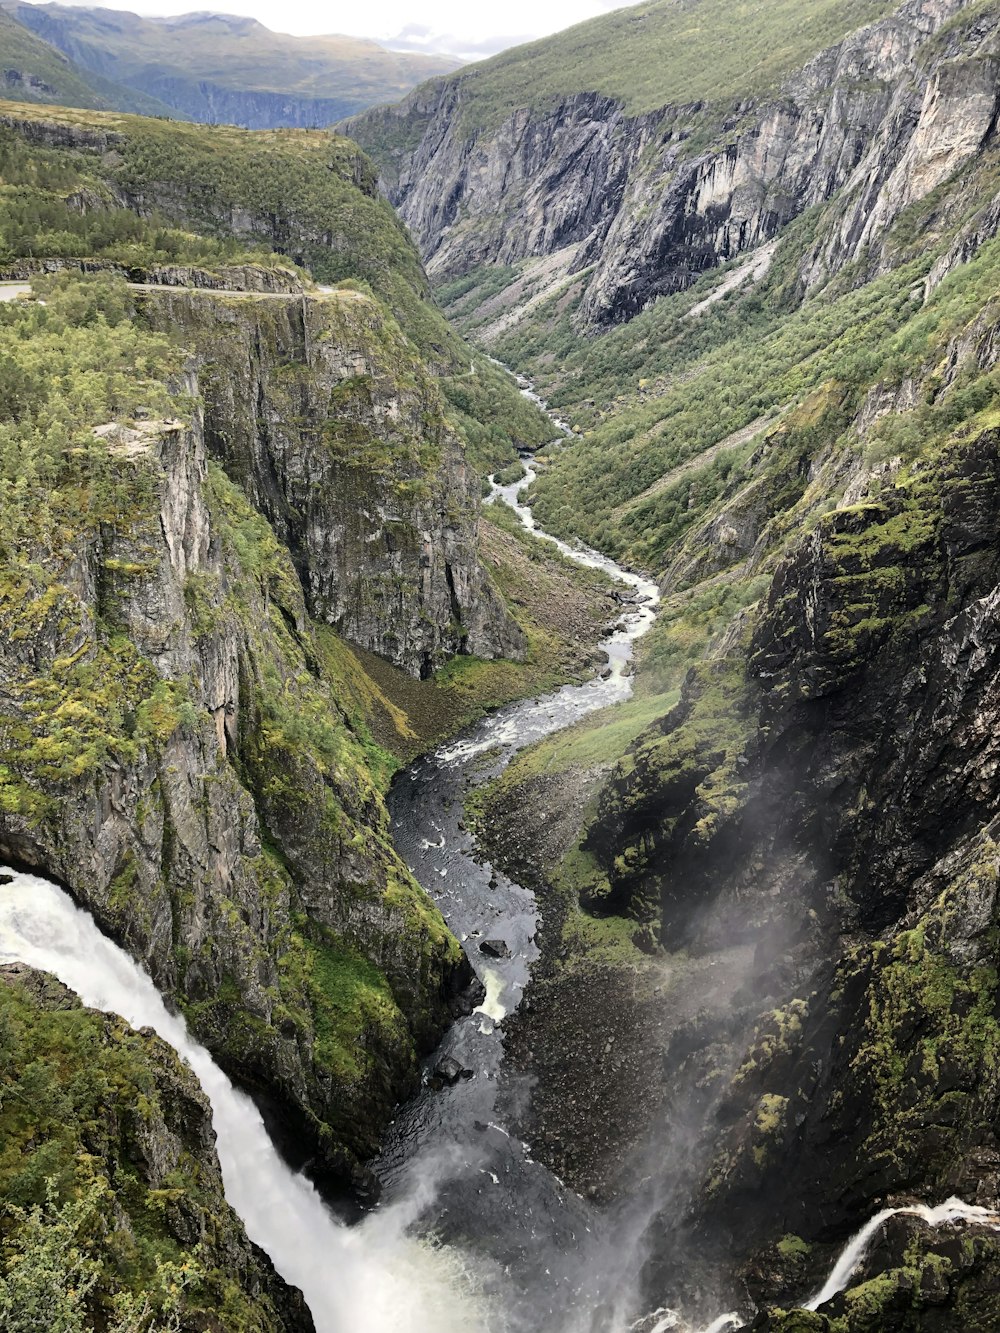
(853, 1255)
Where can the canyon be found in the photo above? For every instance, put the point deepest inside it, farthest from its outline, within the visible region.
(565, 804)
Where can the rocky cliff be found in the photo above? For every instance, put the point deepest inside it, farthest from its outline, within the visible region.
(113, 1196)
(318, 408)
(806, 844)
(202, 794)
(640, 205)
(207, 492)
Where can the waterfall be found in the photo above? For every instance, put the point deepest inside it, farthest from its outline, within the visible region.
(850, 1260)
(367, 1279)
(953, 1210)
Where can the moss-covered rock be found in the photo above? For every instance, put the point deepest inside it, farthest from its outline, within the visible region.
(109, 1137)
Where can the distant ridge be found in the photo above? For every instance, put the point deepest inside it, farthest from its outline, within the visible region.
(32, 70)
(220, 68)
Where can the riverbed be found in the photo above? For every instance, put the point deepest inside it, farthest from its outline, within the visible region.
(527, 1237)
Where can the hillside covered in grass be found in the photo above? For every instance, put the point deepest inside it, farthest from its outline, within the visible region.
(671, 52)
(240, 538)
(36, 71)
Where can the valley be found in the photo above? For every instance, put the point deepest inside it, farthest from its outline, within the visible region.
(498, 668)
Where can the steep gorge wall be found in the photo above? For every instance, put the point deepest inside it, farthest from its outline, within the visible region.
(273, 472)
(825, 795)
(156, 1195)
(176, 755)
(324, 415)
(650, 202)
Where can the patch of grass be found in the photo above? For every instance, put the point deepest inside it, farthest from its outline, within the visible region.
(355, 1012)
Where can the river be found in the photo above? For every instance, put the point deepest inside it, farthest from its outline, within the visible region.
(532, 1243)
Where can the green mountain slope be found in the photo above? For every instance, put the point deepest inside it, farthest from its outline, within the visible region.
(223, 489)
(803, 446)
(34, 71)
(672, 52)
(219, 68)
(99, 1124)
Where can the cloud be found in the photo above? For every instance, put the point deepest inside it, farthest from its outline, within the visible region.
(419, 37)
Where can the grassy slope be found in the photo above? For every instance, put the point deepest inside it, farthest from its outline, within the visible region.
(669, 53)
(46, 74)
(657, 397)
(82, 1097)
(233, 53)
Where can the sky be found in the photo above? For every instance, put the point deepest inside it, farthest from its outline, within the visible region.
(469, 29)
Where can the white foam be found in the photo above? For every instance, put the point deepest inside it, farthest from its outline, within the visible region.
(491, 1006)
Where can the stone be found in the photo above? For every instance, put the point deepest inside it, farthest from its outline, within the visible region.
(495, 949)
(450, 1070)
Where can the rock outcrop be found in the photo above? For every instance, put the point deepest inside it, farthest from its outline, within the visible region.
(320, 410)
(274, 472)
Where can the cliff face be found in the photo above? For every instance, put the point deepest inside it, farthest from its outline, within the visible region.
(221, 742)
(649, 202)
(133, 1178)
(320, 410)
(211, 480)
(816, 818)
(801, 847)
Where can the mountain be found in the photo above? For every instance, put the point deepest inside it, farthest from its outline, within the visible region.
(34, 71)
(218, 68)
(751, 253)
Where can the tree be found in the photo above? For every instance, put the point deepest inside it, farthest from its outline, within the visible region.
(50, 1273)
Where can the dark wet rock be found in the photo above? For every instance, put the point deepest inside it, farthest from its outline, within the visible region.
(462, 1002)
(450, 1070)
(495, 949)
(647, 939)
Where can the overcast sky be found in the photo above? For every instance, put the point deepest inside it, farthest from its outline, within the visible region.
(468, 28)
